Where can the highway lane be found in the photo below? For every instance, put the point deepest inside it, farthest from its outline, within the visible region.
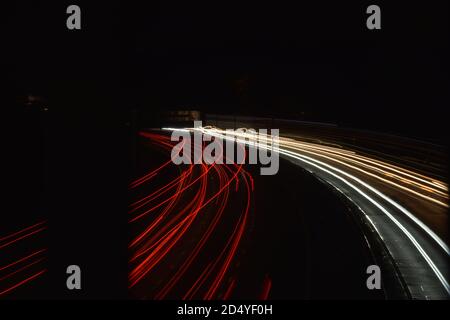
(420, 156)
(186, 227)
(23, 262)
(407, 209)
(291, 248)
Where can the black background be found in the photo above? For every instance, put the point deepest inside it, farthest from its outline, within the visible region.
(258, 59)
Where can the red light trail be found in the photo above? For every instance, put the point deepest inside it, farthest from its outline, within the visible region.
(21, 270)
(188, 230)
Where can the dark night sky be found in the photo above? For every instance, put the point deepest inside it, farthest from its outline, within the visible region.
(282, 60)
(265, 59)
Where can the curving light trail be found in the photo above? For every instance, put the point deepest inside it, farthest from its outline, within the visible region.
(188, 206)
(334, 161)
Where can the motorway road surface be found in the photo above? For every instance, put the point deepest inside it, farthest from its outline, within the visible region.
(407, 209)
(225, 232)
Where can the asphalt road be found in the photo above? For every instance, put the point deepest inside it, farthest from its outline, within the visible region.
(299, 238)
(336, 206)
(406, 208)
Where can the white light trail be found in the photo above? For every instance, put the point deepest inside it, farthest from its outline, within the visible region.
(338, 175)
